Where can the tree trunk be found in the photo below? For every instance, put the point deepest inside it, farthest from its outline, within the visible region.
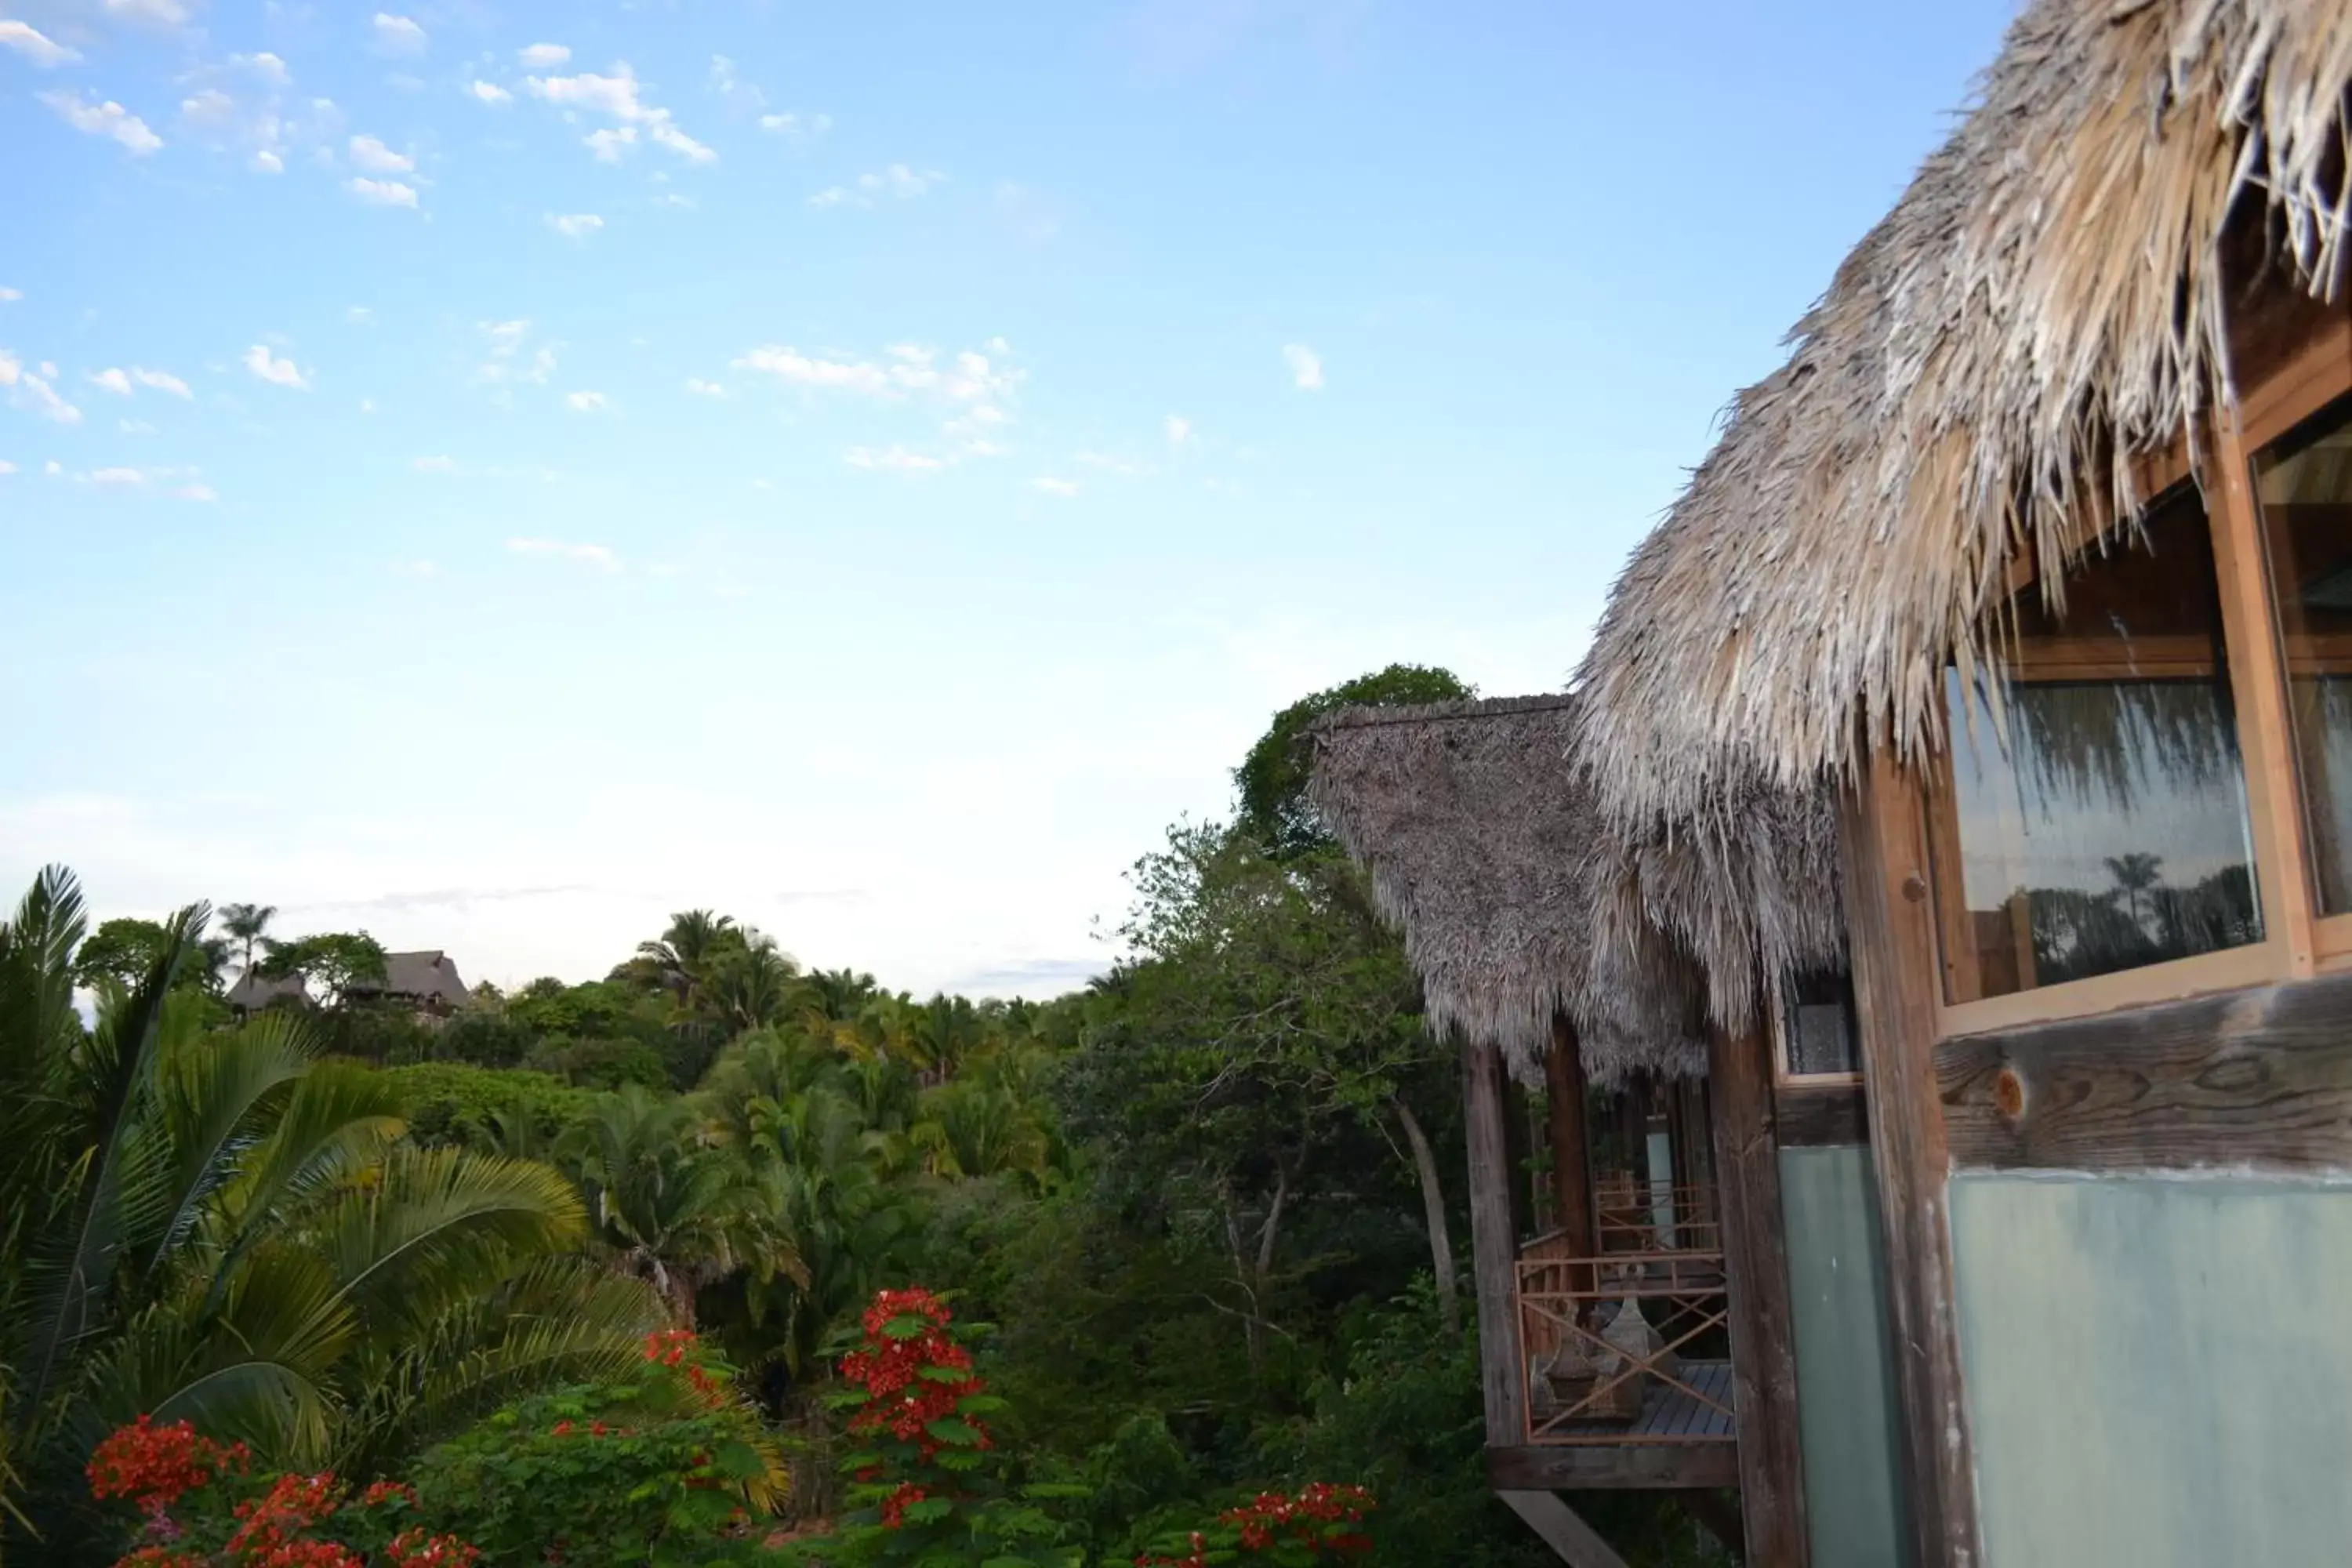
(1432, 1203)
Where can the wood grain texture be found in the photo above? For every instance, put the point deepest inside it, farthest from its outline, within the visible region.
(1571, 1154)
(1637, 1466)
(1763, 1328)
(1493, 1246)
(1578, 1544)
(1890, 921)
(2257, 1079)
(1818, 1116)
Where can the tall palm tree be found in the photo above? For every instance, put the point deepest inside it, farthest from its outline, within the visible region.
(2135, 873)
(247, 925)
(226, 1228)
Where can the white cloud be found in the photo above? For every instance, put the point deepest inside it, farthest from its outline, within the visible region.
(359, 315)
(1053, 486)
(107, 119)
(795, 127)
(505, 337)
(265, 66)
(27, 390)
(1179, 428)
(29, 42)
(53, 467)
(1306, 367)
(160, 380)
(195, 493)
(370, 156)
(268, 163)
(399, 35)
(491, 92)
(8, 295)
(383, 193)
(737, 93)
(117, 476)
(606, 145)
(896, 458)
(277, 371)
(114, 380)
(597, 556)
(574, 226)
(544, 57)
(898, 182)
(672, 199)
(434, 465)
(616, 96)
(587, 403)
(6, 467)
(155, 12)
(701, 388)
(211, 109)
(906, 369)
(135, 427)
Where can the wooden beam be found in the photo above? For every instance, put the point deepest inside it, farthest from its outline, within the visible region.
(1571, 1153)
(2257, 1079)
(1624, 1466)
(1493, 1246)
(1562, 1531)
(1891, 940)
(1763, 1326)
(1811, 1116)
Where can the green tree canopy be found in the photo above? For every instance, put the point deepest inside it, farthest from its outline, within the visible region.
(1272, 780)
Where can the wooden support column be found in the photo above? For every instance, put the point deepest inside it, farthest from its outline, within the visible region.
(1571, 1152)
(1763, 1330)
(1562, 1531)
(1891, 939)
(1493, 1246)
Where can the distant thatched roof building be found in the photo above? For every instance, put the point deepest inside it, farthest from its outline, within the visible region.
(1486, 846)
(427, 980)
(2044, 304)
(252, 992)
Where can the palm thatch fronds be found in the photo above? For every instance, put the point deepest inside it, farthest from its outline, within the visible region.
(1487, 847)
(2044, 305)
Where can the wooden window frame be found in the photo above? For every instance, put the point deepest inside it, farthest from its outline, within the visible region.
(2298, 940)
(1776, 1032)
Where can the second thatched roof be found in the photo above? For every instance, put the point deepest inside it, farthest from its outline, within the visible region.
(1487, 847)
(2045, 304)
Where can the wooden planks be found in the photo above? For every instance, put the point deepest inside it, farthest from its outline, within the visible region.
(1639, 1467)
(1891, 938)
(2258, 1079)
(1815, 1116)
(1763, 1326)
(1492, 1245)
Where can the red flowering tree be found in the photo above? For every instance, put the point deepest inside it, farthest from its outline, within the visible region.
(1316, 1525)
(200, 1506)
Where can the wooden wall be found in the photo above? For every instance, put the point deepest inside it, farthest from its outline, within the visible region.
(2159, 1370)
(1847, 1408)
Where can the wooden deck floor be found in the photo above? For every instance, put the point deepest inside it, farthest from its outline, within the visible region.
(1669, 1416)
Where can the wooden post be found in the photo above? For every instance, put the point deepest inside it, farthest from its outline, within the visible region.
(1561, 1530)
(1890, 914)
(1763, 1330)
(1571, 1154)
(1494, 1247)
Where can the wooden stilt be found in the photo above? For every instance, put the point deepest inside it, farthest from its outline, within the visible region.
(1494, 1247)
(1562, 1531)
(1571, 1153)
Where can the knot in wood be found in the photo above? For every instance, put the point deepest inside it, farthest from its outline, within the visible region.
(2009, 1093)
(1915, 887)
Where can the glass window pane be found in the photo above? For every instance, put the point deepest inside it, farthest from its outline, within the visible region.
(2305, 484)
(1817, 1026)
(2098, 809)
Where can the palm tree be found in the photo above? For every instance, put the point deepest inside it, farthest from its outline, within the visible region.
(247, 925)
(226, 1228)
(751, 985)
(2135, 873)
(670, 1208)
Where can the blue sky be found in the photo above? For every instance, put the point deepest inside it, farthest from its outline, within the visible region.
(495, 474)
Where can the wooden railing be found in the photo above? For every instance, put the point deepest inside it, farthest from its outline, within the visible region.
(1656, 1219)
(1594, 1376)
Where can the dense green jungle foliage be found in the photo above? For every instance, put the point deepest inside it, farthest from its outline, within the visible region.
(1212, 1205)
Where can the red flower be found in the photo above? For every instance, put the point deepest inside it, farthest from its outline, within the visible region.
(380, 1493)
(894, 1507)
(414, 1549)
(155, 1465)
(292, 1505)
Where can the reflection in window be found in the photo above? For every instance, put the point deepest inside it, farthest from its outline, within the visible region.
(1817, 1026)
(2097, 815)
(2305, 483)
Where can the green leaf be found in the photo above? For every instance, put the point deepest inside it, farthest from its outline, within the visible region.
(949, 1429)
(929, 1508)
(907, 1326)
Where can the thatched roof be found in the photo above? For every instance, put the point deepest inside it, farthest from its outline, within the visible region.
(1487, 849)
(253, 992)
(2045, 303)
(427, 977)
